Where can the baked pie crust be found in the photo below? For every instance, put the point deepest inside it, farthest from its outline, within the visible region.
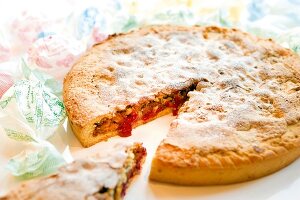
(237, 98)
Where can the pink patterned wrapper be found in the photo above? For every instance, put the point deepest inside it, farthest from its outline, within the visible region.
(5, 47)
(55, 54)
(25, 30)
(5, 53)
(97, 37)
(6, 82)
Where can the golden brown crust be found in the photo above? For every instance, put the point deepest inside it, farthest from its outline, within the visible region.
(115, 91)
(94, 65)
(245, 109)
(196, 166)
(233, 171)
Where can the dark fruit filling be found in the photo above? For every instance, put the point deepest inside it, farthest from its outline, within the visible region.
(139, 153)
(125, 127)
(124, 121)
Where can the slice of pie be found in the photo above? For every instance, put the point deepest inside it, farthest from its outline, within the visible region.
(102, 177)
(237, 98)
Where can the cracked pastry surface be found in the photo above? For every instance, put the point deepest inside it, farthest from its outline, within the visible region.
(239, 122)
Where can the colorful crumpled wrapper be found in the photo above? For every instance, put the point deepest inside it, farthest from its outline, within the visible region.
(52, 52)
(38, 48)
(30, 113)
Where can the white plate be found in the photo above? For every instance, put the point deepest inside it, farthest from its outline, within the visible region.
(284, 184)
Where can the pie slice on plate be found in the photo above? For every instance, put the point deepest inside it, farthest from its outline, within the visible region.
(236, 97)
(104, 177)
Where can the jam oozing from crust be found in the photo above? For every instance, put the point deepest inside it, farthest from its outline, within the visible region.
(176, 103)
(131, 167)
(125, 128)
(140, 154)
(124, 121)
(151, 111)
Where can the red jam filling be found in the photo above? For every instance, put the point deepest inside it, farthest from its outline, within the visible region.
(151, 114)
(175, 104)
(125, 127)
(140, 154)
(178, 101)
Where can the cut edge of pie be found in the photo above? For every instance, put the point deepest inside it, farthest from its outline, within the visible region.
(122, 122)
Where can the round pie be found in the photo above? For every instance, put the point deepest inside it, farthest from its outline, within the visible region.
(236, 97)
